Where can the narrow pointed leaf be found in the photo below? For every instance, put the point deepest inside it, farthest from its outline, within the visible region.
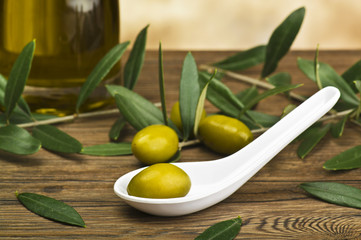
(189, 92)
(349, 159)
(268, 93)
(314, 136)
(200, 105)
(161, 84)
(116, 128)
(338, 127)
(136, 59)
(221, 96)
(244, 59)
(247, 95)
(24, 112)
(17, 78)
(281, 40)
(17, 140)
(137, 110)
(316, 66)
(352, 74)
(56, 140)
(51, 208)
(100, 71)
(108, 149)
(263, 119)
(225, 230)
(280, 79)
(336, 193)
(329, 77)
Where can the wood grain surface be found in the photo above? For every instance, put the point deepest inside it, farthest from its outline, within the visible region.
(271, 204)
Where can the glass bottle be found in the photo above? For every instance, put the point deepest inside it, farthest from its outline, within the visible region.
(71, 37)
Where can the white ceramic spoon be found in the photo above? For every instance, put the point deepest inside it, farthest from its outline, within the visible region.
(213, 181)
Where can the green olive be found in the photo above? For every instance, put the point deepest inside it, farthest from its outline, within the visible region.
(161, 180)
(155, 144)
(224, 134)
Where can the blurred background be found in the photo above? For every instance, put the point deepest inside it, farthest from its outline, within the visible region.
(240, 24)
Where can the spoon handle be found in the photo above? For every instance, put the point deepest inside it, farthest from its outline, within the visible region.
(265, 147)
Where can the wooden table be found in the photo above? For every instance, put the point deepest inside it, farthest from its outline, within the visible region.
(271, 204)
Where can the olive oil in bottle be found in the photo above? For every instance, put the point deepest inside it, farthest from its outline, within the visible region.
(71, 37)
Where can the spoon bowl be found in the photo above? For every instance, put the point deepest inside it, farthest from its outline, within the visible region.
(213, 181)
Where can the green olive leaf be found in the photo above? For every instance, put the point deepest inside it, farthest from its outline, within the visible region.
(100, 71)
(289, 108)
(349, 159)
(336, 193)
(225, 230)
(313, 137)
(247, 95)
(17, 79)
(161, 84)
(116, 128)
(280, 79)
(137, 110)
(200, 105)
(338, 127)
(244, 59)
(136, 114)
(108, 149)
(221, 96)
(353, 73)
(23, 112)
(54, 139)
(316, 67)
(281, 40)
(189, 92)
(135, 61)
(329, 77)
(17, 140)
(50, 208)
(262, 119)
(270, 92)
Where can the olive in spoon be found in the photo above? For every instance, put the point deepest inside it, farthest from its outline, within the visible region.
(213, 181)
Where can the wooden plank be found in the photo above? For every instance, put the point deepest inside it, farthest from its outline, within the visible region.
(271, 204)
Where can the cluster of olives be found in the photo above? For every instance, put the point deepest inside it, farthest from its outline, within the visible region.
(156, 144)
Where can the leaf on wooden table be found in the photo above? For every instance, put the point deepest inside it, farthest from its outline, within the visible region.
(189, 92)
(268, 93)
(23, 113)
(329, 77)
(17, 140)
(247, 95)
(338, 127)
(100, 71)
(50, 208)
(137, 110)
(314, 136)
(280, 79)
(281, 40)
(161, 84)
(352, 74)
(17, 79)
(336, 193)
(135, 60)
(56, 140)
(244, 59)
(225, 230)
(221, 96)
(116, 128)
(349, 159)
(200, 105)
(108, 149)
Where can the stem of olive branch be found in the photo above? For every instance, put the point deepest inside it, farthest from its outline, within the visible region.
(246, 79)
(73, 117)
